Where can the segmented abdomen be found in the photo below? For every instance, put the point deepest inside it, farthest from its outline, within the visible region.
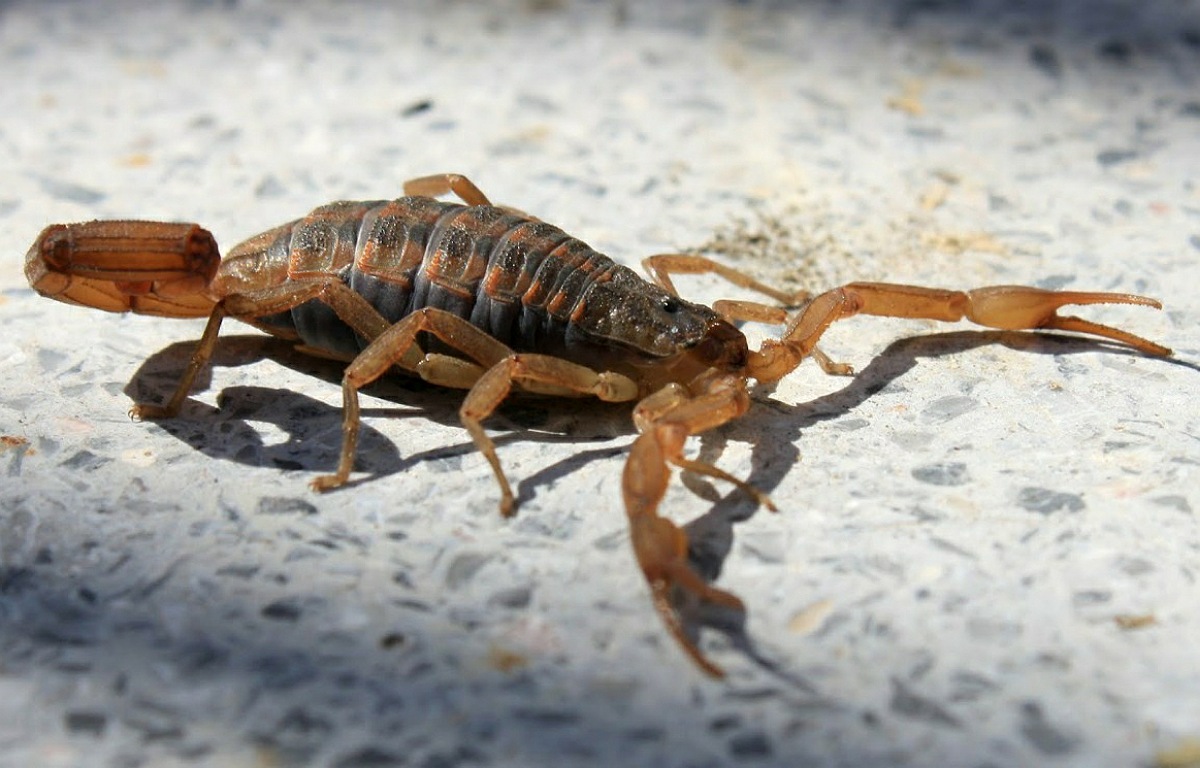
(516, 278)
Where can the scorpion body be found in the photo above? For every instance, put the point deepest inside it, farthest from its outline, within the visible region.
(487, 299)
(525, 283)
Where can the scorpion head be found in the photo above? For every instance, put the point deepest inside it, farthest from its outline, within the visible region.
(641, 325)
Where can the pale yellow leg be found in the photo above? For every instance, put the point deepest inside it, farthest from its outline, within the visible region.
(494, 386)
(490, 379)
(397, 346)
(662, 266)
(444, 184)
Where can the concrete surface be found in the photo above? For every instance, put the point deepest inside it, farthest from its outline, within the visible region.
(988, 546)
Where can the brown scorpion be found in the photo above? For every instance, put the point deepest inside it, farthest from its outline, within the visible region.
(487, 299)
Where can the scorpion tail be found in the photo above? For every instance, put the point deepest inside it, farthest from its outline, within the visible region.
(147, 267)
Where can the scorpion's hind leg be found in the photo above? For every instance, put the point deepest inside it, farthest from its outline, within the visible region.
(444, 184)
(199, 359)
(454, 184)
(350, 307)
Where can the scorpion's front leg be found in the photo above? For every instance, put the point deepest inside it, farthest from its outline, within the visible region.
(661, 266)
(537, 373)
(666, 419)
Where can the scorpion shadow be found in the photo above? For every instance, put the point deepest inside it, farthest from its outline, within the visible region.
(234, 431)
(280, 428)
(711, 535)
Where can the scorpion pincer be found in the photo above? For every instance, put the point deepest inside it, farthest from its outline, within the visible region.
(486, 299)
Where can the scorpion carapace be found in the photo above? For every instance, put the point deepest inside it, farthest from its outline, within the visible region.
(487, 299)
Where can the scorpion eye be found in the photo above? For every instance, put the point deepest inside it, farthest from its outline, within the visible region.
(669, 304)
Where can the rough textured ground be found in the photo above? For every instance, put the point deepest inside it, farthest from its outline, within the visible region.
(988, 546)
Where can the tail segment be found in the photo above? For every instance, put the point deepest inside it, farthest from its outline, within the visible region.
(147, 267)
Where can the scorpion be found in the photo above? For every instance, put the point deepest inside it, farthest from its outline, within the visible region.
(487, 299)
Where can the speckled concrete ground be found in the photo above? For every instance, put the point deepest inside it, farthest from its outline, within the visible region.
(988, 546)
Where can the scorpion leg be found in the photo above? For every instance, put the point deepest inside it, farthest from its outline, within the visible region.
(200, 357)
(662, 266)
(352, 308)
(673, 402)
(398, 346)
(534, 371)
(453, 183)
(487, 389)
(446, 183)
(666, 419)
(1007, 307)
(750, 312)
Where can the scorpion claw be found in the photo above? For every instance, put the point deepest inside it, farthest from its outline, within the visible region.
(661, 549)
(1013, 307)
(660, 595)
